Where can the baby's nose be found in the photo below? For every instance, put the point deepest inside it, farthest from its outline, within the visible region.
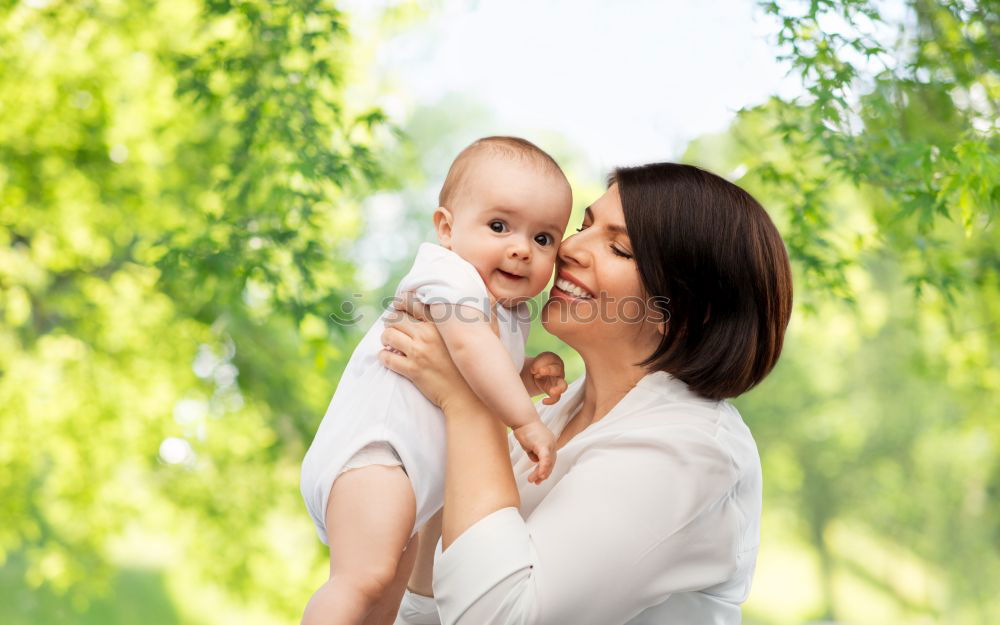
(519, 251)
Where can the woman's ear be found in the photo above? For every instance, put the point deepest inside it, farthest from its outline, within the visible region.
(442, 225)
(660, 314)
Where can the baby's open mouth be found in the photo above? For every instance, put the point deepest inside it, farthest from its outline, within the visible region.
(511, 276)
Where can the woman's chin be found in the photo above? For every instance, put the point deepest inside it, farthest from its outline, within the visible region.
(562, 316)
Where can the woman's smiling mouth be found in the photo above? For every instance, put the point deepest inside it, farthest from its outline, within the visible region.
(571, 289)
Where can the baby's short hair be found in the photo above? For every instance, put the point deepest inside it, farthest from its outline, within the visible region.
(513, 148)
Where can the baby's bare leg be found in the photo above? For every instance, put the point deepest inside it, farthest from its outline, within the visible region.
(385, 611)
(369, 519)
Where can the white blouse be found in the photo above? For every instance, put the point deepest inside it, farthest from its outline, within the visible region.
(651, 516)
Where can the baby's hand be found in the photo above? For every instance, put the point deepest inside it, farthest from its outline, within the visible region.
(549, 375)
(539, 443)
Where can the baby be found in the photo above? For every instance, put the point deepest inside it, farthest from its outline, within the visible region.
(374, 473)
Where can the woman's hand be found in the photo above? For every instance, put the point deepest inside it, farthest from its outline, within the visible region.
(415, 350)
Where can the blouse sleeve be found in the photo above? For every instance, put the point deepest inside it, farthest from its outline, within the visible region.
(632, 522)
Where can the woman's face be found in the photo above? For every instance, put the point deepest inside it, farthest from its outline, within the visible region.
(597, 297)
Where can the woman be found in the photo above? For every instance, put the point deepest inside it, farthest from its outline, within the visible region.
(652, 512)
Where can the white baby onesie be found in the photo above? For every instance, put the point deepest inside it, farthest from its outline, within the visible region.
(373, 404)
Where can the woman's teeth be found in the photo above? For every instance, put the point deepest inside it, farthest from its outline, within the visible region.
(572, 289)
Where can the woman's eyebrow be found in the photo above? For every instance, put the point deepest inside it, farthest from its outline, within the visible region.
(615, 228)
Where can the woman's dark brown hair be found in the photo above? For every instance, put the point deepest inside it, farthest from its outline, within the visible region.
(709, 248)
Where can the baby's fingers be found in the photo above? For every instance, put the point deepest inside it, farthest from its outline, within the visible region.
(554, 390)
(548, 370)
(552, 398)
(556, 387)
(533, 478)
(544, 467)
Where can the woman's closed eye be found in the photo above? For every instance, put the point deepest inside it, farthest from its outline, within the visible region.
(618, 252)
(614, 248)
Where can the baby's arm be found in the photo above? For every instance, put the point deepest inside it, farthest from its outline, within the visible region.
(487, 367)
(484, 363)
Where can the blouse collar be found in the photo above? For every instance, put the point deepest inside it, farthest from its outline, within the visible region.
(665, 383)
(659, 382)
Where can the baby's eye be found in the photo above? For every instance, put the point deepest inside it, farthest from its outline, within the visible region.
(544, 239)
(498, 226)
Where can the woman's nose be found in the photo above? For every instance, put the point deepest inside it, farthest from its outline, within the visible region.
(572, 251)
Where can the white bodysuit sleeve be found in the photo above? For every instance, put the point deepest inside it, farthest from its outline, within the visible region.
(440, 276)
(633, 521)
(523, 315)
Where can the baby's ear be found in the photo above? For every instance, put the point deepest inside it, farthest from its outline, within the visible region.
(442, 225)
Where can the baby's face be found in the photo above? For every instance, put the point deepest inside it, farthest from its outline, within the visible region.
(508, 220)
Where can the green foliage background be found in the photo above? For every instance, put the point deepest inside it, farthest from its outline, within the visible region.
(182, 187)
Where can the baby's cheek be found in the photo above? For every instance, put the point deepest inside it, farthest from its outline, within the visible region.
(539, 281)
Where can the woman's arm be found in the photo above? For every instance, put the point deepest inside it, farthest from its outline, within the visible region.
(479, 479)
(423, 565)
